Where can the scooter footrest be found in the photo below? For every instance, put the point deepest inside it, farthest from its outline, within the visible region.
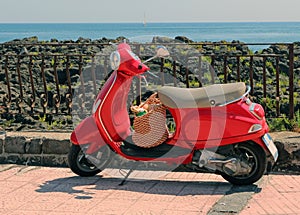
(166, 150)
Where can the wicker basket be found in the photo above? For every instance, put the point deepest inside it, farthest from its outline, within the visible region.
(150, 129)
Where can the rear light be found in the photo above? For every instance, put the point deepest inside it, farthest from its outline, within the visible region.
(257, 110)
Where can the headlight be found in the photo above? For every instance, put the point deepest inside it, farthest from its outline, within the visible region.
(115, 60)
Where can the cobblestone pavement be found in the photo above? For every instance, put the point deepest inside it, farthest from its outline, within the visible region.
(44, 190)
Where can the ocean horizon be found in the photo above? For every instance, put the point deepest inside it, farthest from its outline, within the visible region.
(248, 32)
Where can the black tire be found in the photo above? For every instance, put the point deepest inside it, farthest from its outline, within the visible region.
(82, 166)
(255, 155)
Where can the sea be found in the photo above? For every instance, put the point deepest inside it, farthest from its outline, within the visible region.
(248, 32)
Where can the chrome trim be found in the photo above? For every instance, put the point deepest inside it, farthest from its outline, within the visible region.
(255, 128)
(248, 88)
(96, 105)
(100, 108)
(213, 160)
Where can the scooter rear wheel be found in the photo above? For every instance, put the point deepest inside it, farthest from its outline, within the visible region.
(255, 156)
(80, 165)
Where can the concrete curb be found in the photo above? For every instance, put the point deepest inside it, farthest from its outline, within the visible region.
(51, 149)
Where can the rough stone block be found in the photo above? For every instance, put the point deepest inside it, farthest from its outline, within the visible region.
(51, 146)
(288, 146)
(34, 146)
(15, 159)
(2, 159)
(296, 155)
(55, 161)
(1, 146)
(15, 144)
(34, 160)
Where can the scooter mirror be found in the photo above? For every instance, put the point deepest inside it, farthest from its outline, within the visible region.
(162, 51)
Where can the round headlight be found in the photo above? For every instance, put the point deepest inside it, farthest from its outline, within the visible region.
(115, 60)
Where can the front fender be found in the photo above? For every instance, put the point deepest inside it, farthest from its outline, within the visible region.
(87, 133)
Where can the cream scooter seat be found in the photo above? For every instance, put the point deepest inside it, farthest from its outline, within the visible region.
(213, 95)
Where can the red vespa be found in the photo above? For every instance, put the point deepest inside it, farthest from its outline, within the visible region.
(218, 128)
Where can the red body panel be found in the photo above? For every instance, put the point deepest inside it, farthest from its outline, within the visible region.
(112, 115)
(217, 126)
(87, 132)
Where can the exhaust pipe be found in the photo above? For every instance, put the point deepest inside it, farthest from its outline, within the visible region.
(94, 160)
(218, 161)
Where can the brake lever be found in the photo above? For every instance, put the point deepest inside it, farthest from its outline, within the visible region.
(153, 74)
(143, 77)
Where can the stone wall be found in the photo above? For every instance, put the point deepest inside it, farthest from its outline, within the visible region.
(34, 148)
(288, 144)
(51, 149)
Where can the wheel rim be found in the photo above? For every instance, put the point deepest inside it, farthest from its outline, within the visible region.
(83, 163)
(102, 157)
(248, 156)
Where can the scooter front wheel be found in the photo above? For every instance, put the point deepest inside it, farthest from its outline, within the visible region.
(80, 164)
(254, 156)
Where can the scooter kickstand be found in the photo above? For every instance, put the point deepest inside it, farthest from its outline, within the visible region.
(133, 167)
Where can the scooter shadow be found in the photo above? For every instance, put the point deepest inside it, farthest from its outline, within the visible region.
(86, 187)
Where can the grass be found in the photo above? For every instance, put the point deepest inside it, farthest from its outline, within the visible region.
(284, 123)
(296, 121)
(279, 124)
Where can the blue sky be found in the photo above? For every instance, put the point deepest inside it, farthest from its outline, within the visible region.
(23, 11)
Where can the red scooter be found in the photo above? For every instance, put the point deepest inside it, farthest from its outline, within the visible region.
(218, 128)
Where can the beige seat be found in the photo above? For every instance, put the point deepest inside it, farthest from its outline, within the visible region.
(209, 96)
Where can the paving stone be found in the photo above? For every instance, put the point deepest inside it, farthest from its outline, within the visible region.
(59, 191)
